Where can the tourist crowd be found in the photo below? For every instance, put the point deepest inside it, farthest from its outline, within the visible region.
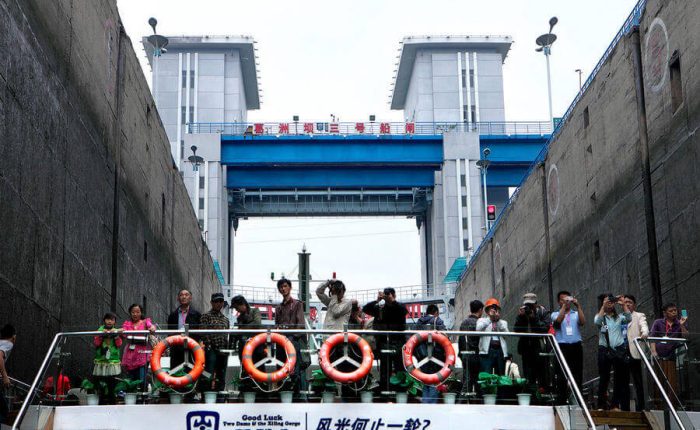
(117, 351)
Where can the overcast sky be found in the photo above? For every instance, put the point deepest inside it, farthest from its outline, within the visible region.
(319, 58)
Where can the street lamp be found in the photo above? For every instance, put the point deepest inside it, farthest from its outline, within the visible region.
(545, 42)
(580, 84)
(483, 164)
(195, 159)
(159, 43)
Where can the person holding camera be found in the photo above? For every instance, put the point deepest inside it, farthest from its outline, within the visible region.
(567, 323)
(663, 352)
(338, 307)
(492, 349)
(532, 318)
(389, 315)
(612, 351)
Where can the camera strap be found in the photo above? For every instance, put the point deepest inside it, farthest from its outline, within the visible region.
(607, 328)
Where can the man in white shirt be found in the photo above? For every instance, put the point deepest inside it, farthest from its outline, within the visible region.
(637, 328)
(492, 349)
(338, 307)
(8, 335)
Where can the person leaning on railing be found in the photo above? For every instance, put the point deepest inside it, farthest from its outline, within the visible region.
(612, 352)
(665, 352)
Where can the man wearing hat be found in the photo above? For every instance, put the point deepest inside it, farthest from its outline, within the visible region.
(216, 359)
(492, 349)
(532, 318)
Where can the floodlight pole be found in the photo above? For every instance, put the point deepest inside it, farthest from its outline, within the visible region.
(549, 84)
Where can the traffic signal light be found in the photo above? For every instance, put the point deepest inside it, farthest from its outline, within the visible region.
(491, 212)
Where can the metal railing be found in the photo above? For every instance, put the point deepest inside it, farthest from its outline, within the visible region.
(579, 403)
(406, 294)
(661, 385)
(312, 128)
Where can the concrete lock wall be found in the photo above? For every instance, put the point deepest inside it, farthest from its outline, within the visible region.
(77, 125)
(594, 196)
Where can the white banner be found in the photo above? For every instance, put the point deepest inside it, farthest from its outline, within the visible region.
(304, 416)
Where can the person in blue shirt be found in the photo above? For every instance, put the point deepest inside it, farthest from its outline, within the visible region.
(612, 351)
(567, 323)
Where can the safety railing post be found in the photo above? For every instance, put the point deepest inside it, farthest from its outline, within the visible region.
(659, 385)
(571, 380)
(35, 384)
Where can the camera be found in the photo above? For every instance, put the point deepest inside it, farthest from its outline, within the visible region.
(612, 299)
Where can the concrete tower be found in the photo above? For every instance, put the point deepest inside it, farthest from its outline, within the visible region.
(205, 79)
(458, 81)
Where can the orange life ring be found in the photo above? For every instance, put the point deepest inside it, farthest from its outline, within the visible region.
(177, 381)
(278, 375)
(447, 366)
(363, 368)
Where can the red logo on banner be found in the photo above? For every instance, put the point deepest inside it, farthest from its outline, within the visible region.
(308, 127)
(259, 128)
(410, 128)
(384, 128)
(360, 127)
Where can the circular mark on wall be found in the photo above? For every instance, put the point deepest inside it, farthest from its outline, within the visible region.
(553, 190)
(656, 55)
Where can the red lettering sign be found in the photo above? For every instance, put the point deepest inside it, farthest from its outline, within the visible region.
(284, 128)
(258, 128)
(334, 127)
(410, 127)
(384, 128)
(308, 127)
(360, 127)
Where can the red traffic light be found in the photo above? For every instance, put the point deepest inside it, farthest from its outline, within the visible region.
(491, 212)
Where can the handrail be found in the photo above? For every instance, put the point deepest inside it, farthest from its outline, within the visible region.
(571, 380)
(22, 384)
(59, 336)
(30, 395)
(305, 331)
(650, 368)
